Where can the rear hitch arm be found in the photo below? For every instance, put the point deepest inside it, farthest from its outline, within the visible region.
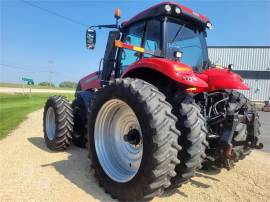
(230, 126)
(226, 138)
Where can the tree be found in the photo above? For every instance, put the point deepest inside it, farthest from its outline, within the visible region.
(68, 84)
(45, 83)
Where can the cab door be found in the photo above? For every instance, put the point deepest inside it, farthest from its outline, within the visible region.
(133, 36)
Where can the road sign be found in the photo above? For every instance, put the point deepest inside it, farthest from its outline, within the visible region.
(28, 80)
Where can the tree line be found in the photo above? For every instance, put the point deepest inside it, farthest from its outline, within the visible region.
(64, 84)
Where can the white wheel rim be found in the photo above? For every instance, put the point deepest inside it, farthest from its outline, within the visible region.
(50, 123)
(120, 158)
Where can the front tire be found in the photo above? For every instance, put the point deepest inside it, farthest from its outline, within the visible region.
(80, 122)
(148, 116)
(57, 123)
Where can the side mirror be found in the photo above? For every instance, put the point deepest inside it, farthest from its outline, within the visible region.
(90, 38)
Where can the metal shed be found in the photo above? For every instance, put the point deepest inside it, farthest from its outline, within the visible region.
(251, 62)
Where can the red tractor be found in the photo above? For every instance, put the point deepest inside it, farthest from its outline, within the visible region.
(157, 109)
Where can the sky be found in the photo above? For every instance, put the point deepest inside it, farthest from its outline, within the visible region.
(42, 46)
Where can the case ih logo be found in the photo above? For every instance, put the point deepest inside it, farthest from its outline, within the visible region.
(190, 78)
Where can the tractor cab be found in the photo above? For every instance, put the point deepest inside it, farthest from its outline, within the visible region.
(171, 31)
(167, 31)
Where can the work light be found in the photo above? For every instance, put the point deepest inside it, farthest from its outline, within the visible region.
(177, 10)
(178, 54)
(209, 25)
(168, 8)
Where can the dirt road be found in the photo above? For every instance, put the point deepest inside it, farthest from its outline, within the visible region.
(30, 172)
(33, 90)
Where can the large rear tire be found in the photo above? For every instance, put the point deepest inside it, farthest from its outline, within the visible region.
(239, 141)
(57, 123)
(128, 167)
(246, 135)
(191, 123)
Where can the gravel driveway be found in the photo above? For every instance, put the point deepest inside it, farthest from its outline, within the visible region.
(30, 172)
(33, 90)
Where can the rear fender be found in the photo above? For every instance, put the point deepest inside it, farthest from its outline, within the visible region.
(174, 70)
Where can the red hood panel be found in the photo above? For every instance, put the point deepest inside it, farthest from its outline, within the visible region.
(222, 78)
(90, 81)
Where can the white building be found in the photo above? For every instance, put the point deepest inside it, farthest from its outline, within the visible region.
(251, 62)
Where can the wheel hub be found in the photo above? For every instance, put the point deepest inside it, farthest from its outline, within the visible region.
(118, 140)
(133, 137)
(50, 123)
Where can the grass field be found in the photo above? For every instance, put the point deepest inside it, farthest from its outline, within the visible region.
(16, 85)
(15, 107)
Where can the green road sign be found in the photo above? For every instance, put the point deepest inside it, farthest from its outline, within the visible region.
(28, 81)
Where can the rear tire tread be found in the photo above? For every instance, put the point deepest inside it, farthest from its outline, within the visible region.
(164, 139)
(193, 139)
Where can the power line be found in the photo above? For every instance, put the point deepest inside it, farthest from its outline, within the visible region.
(55, 14)
(21, 68)
(35, 70)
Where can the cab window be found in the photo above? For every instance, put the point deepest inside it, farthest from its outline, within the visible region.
(152, 38)
(133, 37)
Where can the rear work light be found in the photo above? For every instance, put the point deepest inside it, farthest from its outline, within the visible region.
(167, 8)
(209, 25)
(177, 10)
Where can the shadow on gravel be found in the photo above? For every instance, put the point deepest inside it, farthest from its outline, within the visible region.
(39, 142)
(205, 174)
(195, 183)
(209, 171)
(76, 169)
(198, 184)
(172, 192)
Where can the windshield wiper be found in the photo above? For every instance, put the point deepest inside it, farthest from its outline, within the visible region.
(178, 32)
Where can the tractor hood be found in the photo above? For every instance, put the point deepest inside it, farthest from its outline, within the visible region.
(175, 70)
(222, 78)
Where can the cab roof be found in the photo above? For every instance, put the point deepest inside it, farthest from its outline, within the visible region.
(159, 10)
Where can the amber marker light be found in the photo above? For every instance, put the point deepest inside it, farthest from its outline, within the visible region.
(179, 68)
(117, 13)
(191, 89)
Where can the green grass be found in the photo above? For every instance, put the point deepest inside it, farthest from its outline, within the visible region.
(15, 107)
(17, 85)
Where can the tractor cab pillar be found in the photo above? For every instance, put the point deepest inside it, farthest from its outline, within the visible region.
(109, 57)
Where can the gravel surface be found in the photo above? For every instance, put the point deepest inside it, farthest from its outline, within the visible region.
(265, 130)
(33, 90)
(30, 172)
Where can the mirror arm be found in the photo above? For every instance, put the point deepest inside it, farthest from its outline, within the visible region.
(113, 26)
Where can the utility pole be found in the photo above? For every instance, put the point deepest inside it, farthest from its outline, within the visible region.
(51, 72)
(51, 75)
